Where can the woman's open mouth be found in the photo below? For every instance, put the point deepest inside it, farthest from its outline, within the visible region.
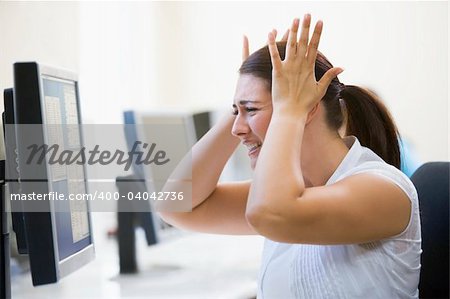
(253, 148)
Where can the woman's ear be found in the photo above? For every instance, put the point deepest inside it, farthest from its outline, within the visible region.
(311, 114)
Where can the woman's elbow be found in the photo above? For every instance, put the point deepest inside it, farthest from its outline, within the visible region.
(180, 220)
(253, 218)
(261, 219)
(167, 218)
(274, 223)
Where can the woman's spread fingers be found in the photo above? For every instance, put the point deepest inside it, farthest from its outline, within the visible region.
(274, 32)
(291, 46)
(314, 43)
(304, 36)
(245, 48)
(285, 36)
(274, 55)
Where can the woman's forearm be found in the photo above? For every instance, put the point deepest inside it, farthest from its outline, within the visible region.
(278, 176)
(199, 171)
(209, 157)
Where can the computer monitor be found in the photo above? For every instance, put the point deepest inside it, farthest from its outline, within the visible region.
(47, 111)
(174, 132)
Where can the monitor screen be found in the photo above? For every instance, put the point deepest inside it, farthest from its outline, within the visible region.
(46, 103)
(60, 102)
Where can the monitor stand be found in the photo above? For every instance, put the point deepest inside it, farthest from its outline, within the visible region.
(5, 275)
(127, 221)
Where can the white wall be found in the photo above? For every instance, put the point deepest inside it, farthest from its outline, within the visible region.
(37, 31)
(185, 55)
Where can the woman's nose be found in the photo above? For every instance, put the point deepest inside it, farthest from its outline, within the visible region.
(240, 126)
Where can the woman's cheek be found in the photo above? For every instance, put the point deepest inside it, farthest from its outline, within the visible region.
(261, 124)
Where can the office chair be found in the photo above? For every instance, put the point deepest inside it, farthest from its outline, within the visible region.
(432, 183)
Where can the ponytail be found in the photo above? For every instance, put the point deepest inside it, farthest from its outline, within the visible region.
(370, 121)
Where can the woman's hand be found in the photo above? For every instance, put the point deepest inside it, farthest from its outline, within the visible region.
(294, 86)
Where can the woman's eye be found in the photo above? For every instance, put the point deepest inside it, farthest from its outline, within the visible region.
(247, 109)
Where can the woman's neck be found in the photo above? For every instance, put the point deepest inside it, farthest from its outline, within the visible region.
(321, 159)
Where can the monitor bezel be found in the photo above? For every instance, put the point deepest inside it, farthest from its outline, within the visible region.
(70, 264)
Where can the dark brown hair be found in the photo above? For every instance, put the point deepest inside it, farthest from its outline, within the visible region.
(367, 117)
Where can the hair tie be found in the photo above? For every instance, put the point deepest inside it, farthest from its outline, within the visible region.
(342, 87)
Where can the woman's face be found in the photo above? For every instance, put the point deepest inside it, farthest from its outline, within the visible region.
(252, 106)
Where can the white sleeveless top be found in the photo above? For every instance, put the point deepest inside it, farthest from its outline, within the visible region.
(387, 268)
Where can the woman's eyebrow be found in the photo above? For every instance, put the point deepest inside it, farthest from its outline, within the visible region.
(245, 102)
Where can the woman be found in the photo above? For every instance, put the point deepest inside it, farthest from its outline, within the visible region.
(339, 221)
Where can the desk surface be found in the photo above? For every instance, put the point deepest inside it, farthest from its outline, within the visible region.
(189, 266)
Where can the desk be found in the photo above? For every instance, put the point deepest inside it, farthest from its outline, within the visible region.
(191, 266)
